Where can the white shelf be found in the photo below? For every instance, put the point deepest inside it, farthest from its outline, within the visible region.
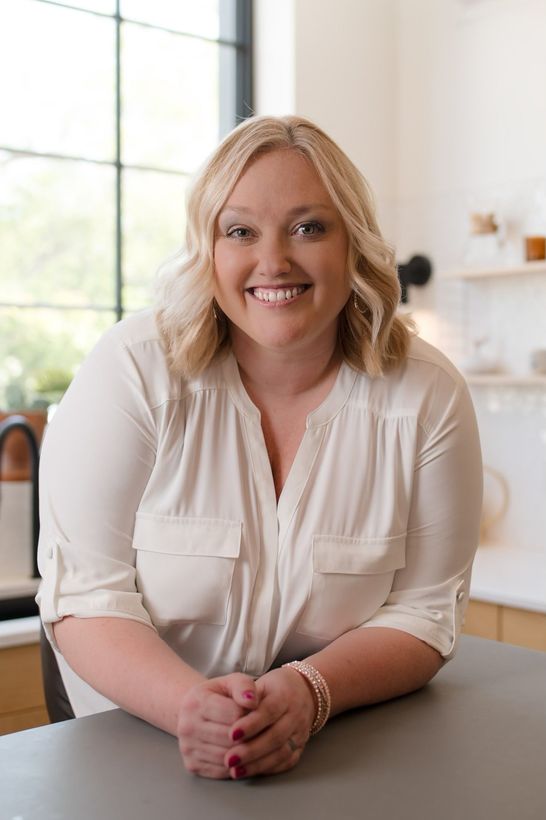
(491, 272)
(504, 380)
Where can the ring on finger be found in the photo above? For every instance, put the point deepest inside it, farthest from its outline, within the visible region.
(293, 745)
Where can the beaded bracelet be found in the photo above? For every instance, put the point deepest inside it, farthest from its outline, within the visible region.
(320, 689)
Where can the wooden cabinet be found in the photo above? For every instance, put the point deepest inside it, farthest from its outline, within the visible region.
(503, 623)
(22, 704)
(482, 620)
(523, 628)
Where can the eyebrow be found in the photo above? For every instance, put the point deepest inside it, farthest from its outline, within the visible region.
(296, 211)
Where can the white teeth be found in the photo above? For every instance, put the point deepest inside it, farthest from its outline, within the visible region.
(277, 295)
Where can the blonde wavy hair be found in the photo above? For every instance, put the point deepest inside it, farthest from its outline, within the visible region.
(372, 337)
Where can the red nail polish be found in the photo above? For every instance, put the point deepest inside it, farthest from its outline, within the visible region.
(248, 695)
(240, 771)
(238, 734)
(234, 761)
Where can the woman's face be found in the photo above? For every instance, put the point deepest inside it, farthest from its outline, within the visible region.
(280, 257)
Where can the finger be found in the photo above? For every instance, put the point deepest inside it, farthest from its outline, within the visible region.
(281, 734)
(280, 760)
(204, 769)
(219, 709)
(242, 689)
(205, 753)
(254, 723)
(195, 730)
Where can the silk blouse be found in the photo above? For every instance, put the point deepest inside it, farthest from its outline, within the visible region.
(158, 505)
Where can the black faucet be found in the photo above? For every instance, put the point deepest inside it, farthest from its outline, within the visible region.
(6, 427)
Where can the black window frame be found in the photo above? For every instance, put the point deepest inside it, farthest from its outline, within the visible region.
(243, 108)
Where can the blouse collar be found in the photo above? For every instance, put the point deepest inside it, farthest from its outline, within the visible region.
(325, 412)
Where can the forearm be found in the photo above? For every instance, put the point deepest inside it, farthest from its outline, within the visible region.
(369, 665)
(128, 663)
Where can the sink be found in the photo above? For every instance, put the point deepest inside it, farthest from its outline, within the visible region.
(13, 608)
(17, 598)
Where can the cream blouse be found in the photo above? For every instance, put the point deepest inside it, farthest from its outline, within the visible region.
(158, 505)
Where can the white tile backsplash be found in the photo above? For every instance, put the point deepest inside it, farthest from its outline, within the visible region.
(511, 312)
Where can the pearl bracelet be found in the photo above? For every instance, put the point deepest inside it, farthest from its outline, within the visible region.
(320, 689)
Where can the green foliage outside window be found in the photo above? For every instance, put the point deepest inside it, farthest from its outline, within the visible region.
(85, 221)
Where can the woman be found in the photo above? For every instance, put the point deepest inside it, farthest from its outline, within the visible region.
(270, 469)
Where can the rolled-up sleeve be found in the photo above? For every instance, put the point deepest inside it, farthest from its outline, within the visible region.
(97, 456)
(429, 595)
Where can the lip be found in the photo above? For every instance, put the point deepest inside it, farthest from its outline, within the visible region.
(284, 286)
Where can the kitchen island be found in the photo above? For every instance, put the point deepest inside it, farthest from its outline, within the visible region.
(469, 745)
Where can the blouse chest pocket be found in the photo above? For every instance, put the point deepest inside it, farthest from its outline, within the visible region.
(184, 567)
(352, 578)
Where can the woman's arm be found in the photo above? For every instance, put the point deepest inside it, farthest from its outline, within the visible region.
(371, 665)
(97, 459)
(361, 667)
(128, 663)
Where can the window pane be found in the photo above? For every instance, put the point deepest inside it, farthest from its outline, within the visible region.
(228, 92)
(153, 230)
(170, 98)
(57, 228)
(201, 17)
(60, 97)
(40, 351)
(228, 20)
(104, 6)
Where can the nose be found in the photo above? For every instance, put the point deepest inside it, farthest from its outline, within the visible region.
(273, 257)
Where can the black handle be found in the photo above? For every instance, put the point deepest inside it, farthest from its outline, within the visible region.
(415, 272)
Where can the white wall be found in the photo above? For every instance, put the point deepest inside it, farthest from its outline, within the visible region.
(274, 57)
(335, 62)
(472, 116)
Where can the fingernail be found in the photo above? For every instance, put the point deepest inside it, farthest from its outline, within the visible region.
(248, 695)
(234, 760)
(238, 734)
(240, 771)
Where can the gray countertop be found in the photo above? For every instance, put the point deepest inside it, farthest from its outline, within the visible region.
(469, 745)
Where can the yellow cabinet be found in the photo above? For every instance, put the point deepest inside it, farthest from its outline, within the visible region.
(506, 624)
(482, 620)
(22, 704)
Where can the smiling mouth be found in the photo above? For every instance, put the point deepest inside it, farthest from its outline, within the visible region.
(281, 294)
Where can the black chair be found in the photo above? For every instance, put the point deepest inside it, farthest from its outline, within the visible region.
(57, 703)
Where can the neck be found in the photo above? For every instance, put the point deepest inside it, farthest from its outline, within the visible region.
(281, 374)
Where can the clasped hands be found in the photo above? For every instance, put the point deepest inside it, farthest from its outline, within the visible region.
(235, 726)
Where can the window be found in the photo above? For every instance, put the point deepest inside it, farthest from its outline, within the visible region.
(107, 107)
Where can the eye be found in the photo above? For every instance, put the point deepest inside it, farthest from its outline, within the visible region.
(309, 229)
(239, 232)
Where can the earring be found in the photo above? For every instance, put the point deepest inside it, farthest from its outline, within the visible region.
(214, 313)
(355, 302)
